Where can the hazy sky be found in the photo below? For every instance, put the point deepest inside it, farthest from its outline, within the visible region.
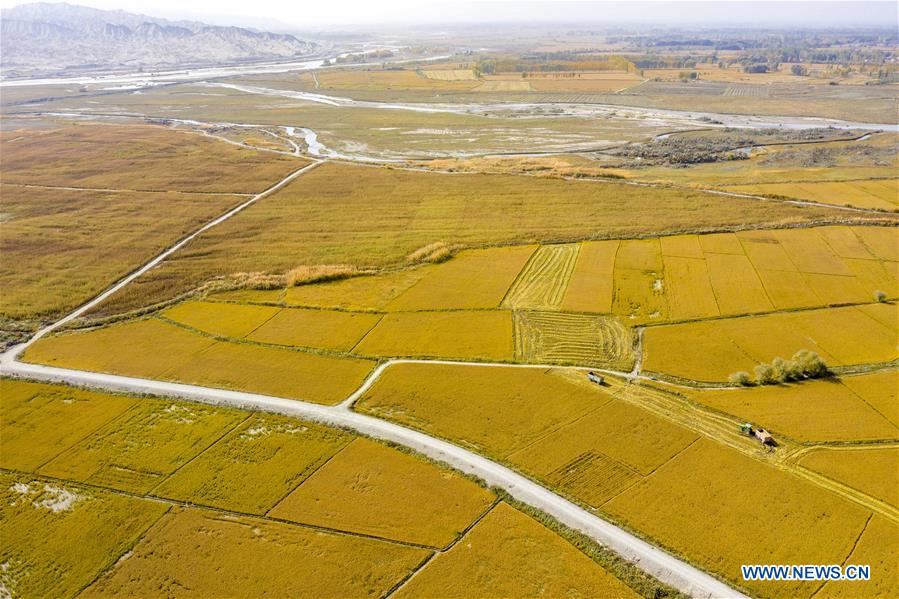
(319, 13)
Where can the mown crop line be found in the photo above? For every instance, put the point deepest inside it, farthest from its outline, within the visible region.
(211, 508)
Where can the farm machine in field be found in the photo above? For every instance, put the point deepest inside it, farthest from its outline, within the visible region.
(761, 434)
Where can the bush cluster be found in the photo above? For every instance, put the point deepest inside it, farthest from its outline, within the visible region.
(804, 364)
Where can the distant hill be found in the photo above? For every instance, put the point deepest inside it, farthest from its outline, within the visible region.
(44, 38)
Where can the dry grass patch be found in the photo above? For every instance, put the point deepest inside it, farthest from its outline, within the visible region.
(255, 465)
(582, 339)
(492, 410)
(315, 328)
(41, 421)
(874, 471)
(372, 489)
(825, 410)
(590, 286)
(202, 554)
(58, 537)
(141, 448)
(485, 335)
(544, 280)
(717, 494)
(227, 320)
(508, 554)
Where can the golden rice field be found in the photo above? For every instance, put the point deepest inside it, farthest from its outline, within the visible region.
(880, 194)
(376, 217)
(255, 465)
(375, 490)
(152, 348)
(223, 319)
(846, 409)
(544, 279)
(879, 533)
(733, 510)
(590, 287)
(711, 350)
(57, 537)
(198, 553)
(475, 335)
(564, 338)
(141, 448)
(508, 554)
(492, 410)
(873, 470)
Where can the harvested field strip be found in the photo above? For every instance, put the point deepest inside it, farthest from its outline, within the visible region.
(590, 286)
(151, 348)
(508, 554)
(563, 338)
(224, 555)
(593, 478)
(544, 280)
(479, 335)
(874, 471)
(716, 490)
(375, 490)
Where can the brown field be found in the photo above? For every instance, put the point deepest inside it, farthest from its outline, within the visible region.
(508, 554)
(371, 489)
(479, 335)
(44, 523)
(882, 194)
(712, 350)
(40, 421)
(371, 217)
(717, 493)
(825, 410)
(152, 348)
(874, 471)
(202, 554)
(495, 411)
(255, 465)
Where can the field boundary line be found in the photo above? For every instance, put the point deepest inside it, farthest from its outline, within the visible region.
(848, 555)
(113, 190)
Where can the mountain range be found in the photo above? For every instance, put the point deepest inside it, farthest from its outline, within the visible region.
(59, 38)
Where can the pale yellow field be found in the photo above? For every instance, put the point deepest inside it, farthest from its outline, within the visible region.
(255, 465)
(690, 293)
(371, 489)
(451, 74)
(508, 554)
(56, 537)
(543, 281)
(40, 421)
(809, 411)
(872, 549)
(874, 471)
(141, 448)
(599, 455)
(580, 339)
(733, 510)
(590, 286)
(491, 410)
(155, 349)
(226, 320)
(882, 194)
(479, 335)
(504, 85)
(325, 329)
(711, 350)
(473, 279)
(202, 554)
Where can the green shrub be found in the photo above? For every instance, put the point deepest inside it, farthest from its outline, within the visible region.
(880, 296)
(765, 374)
(740, 378)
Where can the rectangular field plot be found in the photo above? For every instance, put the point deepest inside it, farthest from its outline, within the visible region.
(874, 471)
(496, 410)
(582, 339)
(880, 390)
(375, 490)
(223, 556)
(485, 335)
(737, 287)
(543, 281)
(876, 547)
(226, 320)
(370, 292)
(722, 496)
(508, 554)
(476, 279)
(808, 411)
(41, 421)
(690, 293)
(155, 349)
(139, 449)
(712, 350)
(326, 329)
(58, 537)
(880, 194)
(255, 465)
(590, 287)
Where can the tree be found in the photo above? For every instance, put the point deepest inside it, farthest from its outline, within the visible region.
(799, 70)
(880, 296)
(765, 375)
(740, 378)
